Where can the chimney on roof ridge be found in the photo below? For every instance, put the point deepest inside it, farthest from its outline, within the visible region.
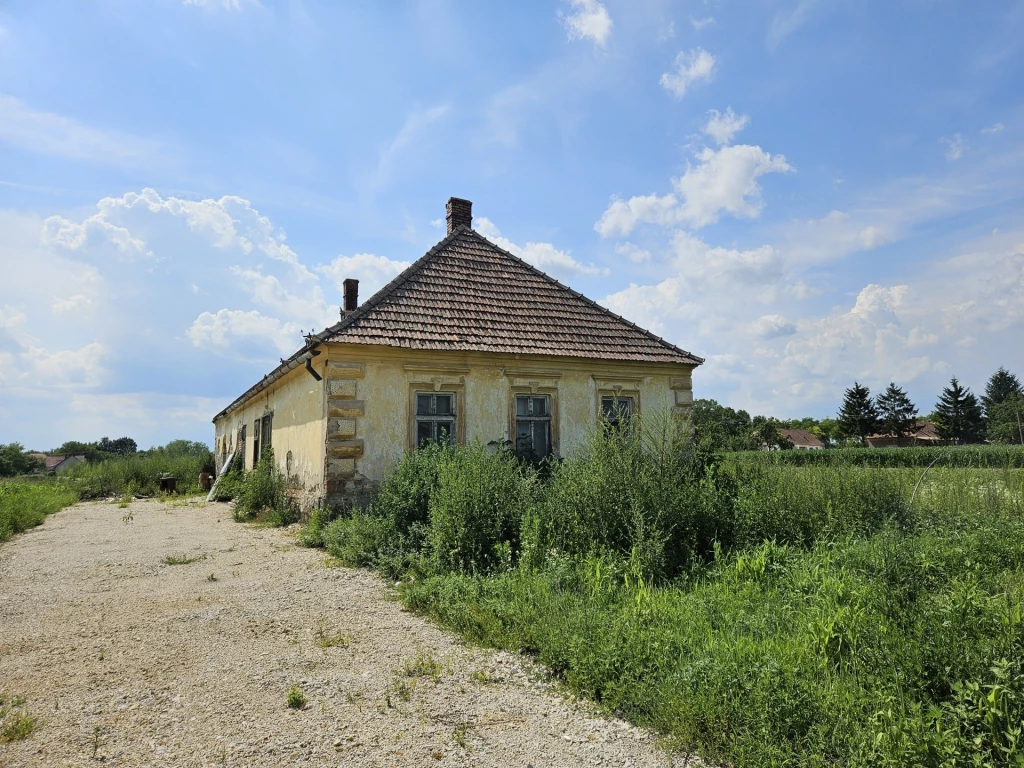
(458, 213)
(350, 293)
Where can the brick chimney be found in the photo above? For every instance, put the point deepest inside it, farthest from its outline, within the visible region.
(458, 213)
(350, 290)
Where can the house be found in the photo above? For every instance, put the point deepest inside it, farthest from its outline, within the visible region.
(468, 343)
(59, 464)
(803, 440)
(922, 433)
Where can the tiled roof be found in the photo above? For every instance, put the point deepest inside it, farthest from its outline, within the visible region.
(53, 461)
(922, 430)
(468, 294)
(801, 437)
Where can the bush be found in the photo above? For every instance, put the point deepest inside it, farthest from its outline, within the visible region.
(141, 471)
(262, 493)
(476, 509)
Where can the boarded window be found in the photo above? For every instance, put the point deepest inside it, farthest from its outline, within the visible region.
(533, 426)
(435, 417)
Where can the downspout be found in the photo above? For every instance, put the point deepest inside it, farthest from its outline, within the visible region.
(309, 364)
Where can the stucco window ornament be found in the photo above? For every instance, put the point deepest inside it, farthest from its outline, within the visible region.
(533, 426)
(435, 417)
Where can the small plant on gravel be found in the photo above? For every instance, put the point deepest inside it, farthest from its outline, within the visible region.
(404, 689)
(182, 559)
(424, 665)
(325, 638)
(97, 732)
(296, 698)
(481, 675)
(15, 725)
(459, 735)
(212, 577)
(126, 497)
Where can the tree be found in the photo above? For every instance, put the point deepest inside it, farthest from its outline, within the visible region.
(720, 428)
(896, 414)
(1001, 385)
(858, 416)
(958, 416)
(1006, 421)
(122, 446)
(768, 435)
(15, 461)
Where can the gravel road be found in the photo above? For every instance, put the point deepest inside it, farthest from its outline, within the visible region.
(129, 661)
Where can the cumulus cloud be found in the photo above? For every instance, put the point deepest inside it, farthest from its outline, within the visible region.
(634, 253)
(372, 272)
(221, 331)
(690, 67)
(724, 180)
(722, 126)
(589, 20)
(544, 256)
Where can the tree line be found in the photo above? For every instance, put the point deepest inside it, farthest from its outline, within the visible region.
(959, 417)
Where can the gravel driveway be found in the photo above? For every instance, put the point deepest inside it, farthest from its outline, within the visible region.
(129, 661)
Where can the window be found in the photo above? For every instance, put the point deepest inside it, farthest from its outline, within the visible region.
(241, 444)
(266, 426)
(255, 442)
(435, 417)
(533, 426)
(616, 410)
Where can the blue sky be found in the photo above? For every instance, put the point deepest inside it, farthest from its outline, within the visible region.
(803, 192)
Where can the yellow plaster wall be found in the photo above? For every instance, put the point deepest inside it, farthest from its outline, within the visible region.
(378, 429)
(297, 402)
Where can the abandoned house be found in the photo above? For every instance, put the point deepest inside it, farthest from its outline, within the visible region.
(469, 343)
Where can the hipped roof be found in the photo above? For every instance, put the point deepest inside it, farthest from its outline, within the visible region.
(467, 294)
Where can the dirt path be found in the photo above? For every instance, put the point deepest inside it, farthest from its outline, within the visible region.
(131, 662)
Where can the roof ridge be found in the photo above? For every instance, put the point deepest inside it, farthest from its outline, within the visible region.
(586, 299)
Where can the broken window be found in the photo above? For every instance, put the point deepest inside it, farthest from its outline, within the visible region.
(616, 411)
(435, 417)
(266, 424)
(255, 442)
(533, 426)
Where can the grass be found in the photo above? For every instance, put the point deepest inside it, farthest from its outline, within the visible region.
(15, 723)
(24, 505)
(422, 665)
(324, 637)
(296, 699)
(125, 476)
(182, 559)
(756, 611)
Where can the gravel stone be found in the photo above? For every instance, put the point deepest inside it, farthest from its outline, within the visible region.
(130, 662)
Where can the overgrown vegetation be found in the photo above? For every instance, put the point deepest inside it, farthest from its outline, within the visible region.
(140, 473)
(755, 610)
(260, 494)
(15, 723)
(965, 456)
(24, 505)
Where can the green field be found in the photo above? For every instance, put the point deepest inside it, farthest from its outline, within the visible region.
(752, 610)
(24, 505)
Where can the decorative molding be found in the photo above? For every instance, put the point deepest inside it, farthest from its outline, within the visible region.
(346, 370)
(437, 369)
(345, 407)
(530, 373)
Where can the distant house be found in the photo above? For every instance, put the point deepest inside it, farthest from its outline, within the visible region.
(802, 440)
(470, 343)
(922, 433)
(59, 464)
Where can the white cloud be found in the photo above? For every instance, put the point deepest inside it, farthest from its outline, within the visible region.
(725, 180)
(723, 126)
(221, 331)
(634, 253)
(699, 24)
(690, 67)
(589, 20)
(996, 128)
(412, 129)
(955, 146)
(544, 256)
(372, 272)
(48, 133)
(772, 326)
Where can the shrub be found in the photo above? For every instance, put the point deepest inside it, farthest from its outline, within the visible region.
(262, 494)
(476, 509)
(296, 699)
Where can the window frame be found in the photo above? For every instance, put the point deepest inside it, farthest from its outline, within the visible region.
(630, 397)
(531, 418)
(533, 390)
(456, 391)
